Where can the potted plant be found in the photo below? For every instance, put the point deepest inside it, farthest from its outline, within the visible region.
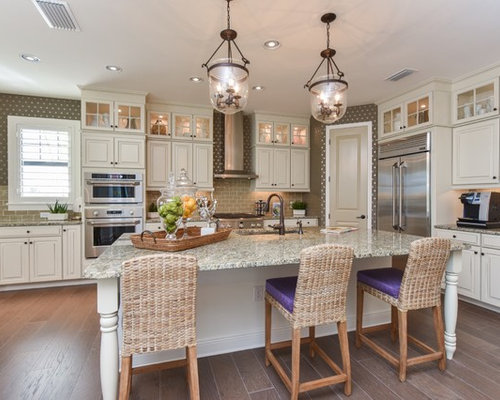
(153, 211)
(58, 211)
(299, 208)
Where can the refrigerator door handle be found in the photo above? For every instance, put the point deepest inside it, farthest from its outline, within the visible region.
(402, 167)
(395, 222)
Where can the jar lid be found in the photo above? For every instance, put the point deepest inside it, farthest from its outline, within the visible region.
(184, 182)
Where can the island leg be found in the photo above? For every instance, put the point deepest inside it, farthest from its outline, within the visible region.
(451, 302)
(107, 307)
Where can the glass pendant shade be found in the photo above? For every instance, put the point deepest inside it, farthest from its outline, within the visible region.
(228, 85)
(328, 99)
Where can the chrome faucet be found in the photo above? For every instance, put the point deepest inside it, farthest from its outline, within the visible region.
(281, 225)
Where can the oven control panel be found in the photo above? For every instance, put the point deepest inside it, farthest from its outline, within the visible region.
(112, 212)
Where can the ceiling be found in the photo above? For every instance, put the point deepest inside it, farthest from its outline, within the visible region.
(160, 44)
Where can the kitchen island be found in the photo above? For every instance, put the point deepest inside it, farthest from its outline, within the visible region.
(230, 311)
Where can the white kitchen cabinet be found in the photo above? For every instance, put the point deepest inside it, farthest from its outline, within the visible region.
(469, 280)
(182, 158)
(300, 135)
(476, 153)
(281, 168)
(475, 102)
(192, 127)
(299, 169)
(159, 158)
(413, 113)
(45, 259)
(272, 167)
(14, 261)
(114, 151)
(153, 226)
(72, 252)
(203, 165)
(272, 133)
(159, 123)
(490, 276)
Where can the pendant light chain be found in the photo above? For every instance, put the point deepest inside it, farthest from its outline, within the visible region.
(228, 15)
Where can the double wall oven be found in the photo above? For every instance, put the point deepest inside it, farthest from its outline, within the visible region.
(113, 206)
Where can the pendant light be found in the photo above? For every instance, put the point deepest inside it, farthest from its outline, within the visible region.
(328, 92)
(228, 77)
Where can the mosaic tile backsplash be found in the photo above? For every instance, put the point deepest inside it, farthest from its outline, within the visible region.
(31, 106)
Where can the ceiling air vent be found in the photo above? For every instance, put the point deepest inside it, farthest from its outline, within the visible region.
(400, 74)
(57, 14)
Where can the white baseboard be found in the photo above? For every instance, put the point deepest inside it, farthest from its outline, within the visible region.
(43, 285)
(479, 303)
(252, 340)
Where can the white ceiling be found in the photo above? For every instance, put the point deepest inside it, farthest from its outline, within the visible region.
(160, 44)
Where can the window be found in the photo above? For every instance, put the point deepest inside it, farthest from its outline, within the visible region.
(44, 163)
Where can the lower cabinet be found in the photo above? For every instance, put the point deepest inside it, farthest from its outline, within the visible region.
(490, 276)
(40, 254)
(469, 281)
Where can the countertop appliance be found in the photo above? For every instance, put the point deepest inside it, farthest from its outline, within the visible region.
(239, 220)
(404, 185)
(481, 210)
(105, 224)
(111, 188)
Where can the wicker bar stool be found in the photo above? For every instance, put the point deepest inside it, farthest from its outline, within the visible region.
(317, 296)
(159, 308)
(419, 286)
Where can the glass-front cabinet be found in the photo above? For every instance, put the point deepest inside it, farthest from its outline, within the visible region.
(265, 132)
(300, 135)
(417, 112)
(192, 127)
(182, 128)
(392, 120)
(476, 102)
(128, 117)
(112, 116)
(203, 127)
(159, 123)
(273, 133)
(98, 115)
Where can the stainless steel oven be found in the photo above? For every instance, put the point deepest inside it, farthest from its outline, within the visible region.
(104, 188)
(105, 224)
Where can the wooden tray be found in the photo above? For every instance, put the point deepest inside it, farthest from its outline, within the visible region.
(156, 241)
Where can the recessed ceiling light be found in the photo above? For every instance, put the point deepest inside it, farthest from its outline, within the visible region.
(272, 44)
(30, 57)
(114, 68)
(258, 88)
(196, 79)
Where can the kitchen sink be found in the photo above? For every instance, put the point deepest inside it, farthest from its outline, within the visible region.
(246, 232)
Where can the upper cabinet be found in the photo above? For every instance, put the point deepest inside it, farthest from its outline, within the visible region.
(475, 102)
(274, 130)
(120, 112)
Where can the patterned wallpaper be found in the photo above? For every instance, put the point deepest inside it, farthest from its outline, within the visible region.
(31, 106)
(316, 199)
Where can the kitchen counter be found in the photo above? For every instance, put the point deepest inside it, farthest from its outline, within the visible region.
(40, 222)
(244, 251)
(453, 227)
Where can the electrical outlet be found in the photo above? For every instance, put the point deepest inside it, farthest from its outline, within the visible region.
(291, 202)
(258, 293)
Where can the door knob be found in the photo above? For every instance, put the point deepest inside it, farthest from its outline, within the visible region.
(362, 216)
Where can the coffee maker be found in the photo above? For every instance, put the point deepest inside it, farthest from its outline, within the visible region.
(481, 210)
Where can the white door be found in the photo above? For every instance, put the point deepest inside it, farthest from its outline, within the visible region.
(203, 165)
(281, 168)
(469, 280)
(129, 152)
(14, 261)
(264, 157)
(348, 174)
(45, 259)
(72, 252)
(490, 268)
(299, 160)
(158, 163)
(182, 157)
(97, 151)
(476, 153)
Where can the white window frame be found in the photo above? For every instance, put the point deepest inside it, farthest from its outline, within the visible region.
(15, 124)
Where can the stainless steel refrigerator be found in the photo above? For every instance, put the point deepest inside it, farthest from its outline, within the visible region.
(404, 185)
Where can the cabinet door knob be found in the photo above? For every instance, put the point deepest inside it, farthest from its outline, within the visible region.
(482, 254)
(454, 236)
(293, 184)
(64, 230)
(494, 177)
(111, 162)
(27, 231)
(495, 109)
(475, 252)
(194, 135)
(25, 242)
(31, 242)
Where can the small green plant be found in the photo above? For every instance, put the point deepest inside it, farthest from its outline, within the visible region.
(299, 205)
(58, 208)
(153, 207)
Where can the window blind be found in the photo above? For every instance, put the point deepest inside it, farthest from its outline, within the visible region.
(44, 163)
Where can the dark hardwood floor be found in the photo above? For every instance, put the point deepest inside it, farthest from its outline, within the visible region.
(49, 349)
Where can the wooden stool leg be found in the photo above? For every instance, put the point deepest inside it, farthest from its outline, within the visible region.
(125, 378)
(403, 343)
(346, 359)
(267, 332)
(438, 326)
(394, 323)
(312, 333)
(359, 316)
(295, 363)
(192, 361)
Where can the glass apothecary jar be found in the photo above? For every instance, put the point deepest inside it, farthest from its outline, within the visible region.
(170, 208)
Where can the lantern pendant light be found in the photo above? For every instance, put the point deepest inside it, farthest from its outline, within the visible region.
(329, 92)
(228, 77)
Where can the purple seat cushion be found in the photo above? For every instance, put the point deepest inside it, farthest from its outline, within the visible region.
(283, 290)
(387, 280)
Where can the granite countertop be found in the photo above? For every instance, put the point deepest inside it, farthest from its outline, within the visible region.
(38, 222)
(453, 227)
(244, 251)
(265, 217)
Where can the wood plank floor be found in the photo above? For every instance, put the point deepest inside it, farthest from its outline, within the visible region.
(49, 349)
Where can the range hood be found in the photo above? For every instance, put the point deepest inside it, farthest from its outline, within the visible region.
(234, 149)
